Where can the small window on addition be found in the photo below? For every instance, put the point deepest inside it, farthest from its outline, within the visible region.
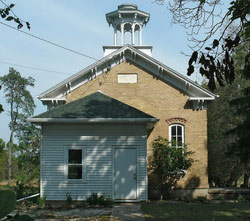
(75, 164)
(127, 78)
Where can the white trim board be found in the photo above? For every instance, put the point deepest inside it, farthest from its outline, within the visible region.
(131, 54)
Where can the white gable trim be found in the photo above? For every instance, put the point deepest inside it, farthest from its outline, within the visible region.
(128, 53)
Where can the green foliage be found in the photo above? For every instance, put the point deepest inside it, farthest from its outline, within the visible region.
(23, 190)
(7, 202)
(100, 200)
(168, 164)
(241, 198)
(42, 201)
(221, 119)
(21, 105)
(1, 106)
(3, 160)
(69, 200)
(220, 197)
(229, 128)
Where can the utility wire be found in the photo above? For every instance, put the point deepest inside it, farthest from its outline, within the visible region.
(34, 68)
(49, 42)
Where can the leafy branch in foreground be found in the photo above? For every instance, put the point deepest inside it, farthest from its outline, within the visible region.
(229, 27)
(8, 14)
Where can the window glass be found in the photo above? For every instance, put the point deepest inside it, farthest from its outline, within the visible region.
(173, 130)
(176, 135)
(75, 172)
(74, 164)
(75, 156)
(179, 130)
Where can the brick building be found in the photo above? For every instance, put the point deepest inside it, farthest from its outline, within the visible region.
(101, 121)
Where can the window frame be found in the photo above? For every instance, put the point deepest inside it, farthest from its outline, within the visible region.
(182, 133)
(66, 163)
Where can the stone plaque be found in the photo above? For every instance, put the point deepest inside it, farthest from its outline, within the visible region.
(127, 78)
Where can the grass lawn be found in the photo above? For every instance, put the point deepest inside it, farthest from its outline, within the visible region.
(196, 211)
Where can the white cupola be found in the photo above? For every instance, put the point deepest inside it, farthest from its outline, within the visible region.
(127, 18)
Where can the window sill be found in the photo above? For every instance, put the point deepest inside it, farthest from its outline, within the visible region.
(75, 181)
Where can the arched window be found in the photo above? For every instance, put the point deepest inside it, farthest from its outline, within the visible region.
(176, 135)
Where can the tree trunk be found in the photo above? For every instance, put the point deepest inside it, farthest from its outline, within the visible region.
(10, 156)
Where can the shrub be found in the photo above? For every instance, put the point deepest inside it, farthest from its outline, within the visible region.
(220, 197)
(241, 199)
(101, 200)
(42, 201)
(168, 164)
(7, 202)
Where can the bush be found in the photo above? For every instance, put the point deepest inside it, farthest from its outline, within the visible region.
(42, 201)
(220, 197)
(23, 190)
(168, 165)
(7, 202)
(241, 199)
(101, 200)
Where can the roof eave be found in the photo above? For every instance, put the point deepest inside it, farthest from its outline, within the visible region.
(143, 55)
(93, 120)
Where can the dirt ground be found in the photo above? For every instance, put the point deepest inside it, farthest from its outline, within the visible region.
(70, 214)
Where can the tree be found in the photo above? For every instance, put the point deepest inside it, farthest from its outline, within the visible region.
(229, 30)
(221, 120)
(1, 106)
(27, 153)
(168, 164)
(7, 13)
(226, 115)
(3, 159)
(20, 101)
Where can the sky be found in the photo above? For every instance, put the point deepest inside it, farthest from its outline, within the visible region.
(81, 26)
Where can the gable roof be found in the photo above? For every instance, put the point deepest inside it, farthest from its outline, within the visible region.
(131, 54)
(96, 107)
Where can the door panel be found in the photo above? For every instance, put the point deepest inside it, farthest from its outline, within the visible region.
(125, 173)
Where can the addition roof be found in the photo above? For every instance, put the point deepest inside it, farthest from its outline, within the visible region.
(96, 107)
(130, 54)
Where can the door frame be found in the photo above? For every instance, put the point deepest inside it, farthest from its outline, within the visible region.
(137, 171)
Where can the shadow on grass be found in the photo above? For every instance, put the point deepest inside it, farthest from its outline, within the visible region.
(196, 211)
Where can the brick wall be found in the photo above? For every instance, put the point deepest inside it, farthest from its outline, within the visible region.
(164, 102)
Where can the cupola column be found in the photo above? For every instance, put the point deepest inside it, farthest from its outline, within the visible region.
(133, 35)
(122, 34)
(140, 36)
